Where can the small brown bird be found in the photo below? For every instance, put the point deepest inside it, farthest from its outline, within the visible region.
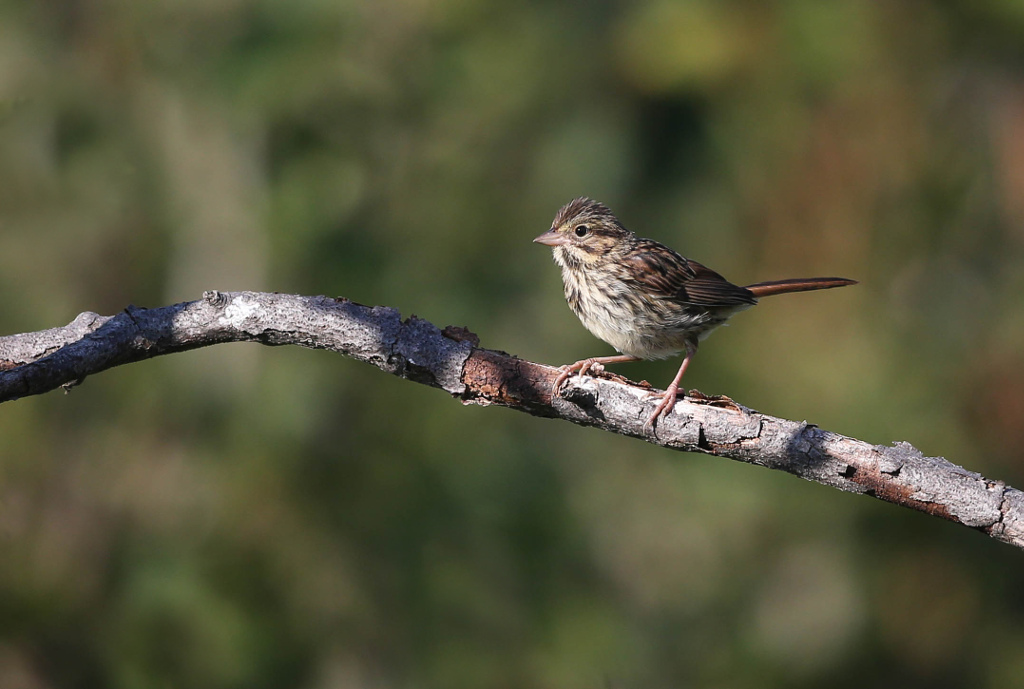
(641, 297)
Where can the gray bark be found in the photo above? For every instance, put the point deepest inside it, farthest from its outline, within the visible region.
(450, 359)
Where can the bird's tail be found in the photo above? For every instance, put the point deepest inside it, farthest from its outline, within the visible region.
(766, 289)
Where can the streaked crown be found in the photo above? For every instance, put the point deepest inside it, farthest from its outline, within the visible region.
(590, 233)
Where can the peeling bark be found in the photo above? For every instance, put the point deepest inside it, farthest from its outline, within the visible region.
(451, 360)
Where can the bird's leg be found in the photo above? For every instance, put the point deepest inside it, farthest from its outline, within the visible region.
(668, 398)
(584, 365)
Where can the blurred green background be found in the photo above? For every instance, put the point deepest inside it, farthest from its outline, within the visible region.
(253, 517)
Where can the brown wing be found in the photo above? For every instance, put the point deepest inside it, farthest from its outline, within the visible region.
(711, 289)
(665, 273)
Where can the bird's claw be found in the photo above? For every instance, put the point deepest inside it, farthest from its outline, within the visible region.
(582, 367)
(665, 406)
(564, 373)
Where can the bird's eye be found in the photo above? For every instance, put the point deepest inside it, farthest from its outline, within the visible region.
(581, 230)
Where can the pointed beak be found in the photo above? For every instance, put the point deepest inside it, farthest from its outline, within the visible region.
(552, 238)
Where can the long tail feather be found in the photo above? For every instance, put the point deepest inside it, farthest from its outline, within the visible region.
(766, 289)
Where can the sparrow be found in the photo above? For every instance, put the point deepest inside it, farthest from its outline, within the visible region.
(643, 298)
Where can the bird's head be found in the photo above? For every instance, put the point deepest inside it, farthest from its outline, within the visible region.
(585, 232)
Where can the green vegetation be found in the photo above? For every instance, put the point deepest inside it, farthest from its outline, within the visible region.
(247, 517)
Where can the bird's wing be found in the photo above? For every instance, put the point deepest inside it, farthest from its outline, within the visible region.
(667, 274)
(711, 289)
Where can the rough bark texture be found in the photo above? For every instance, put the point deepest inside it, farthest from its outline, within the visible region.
(415, 349)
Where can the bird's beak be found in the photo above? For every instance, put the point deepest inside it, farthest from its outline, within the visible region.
(552, 238)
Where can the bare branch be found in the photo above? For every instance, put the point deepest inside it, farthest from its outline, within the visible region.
(417, 350)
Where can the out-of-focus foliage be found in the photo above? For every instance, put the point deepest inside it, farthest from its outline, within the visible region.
(254, 517)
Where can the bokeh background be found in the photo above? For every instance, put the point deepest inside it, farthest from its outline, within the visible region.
(260, 518)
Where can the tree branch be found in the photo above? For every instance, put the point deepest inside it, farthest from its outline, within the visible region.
(417, 350)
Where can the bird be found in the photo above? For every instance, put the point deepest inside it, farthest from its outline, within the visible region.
(643, 298)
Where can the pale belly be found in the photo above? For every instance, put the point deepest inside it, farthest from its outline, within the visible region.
(644, 327)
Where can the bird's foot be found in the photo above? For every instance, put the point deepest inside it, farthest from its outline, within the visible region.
(664, 408)
(582, 367)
